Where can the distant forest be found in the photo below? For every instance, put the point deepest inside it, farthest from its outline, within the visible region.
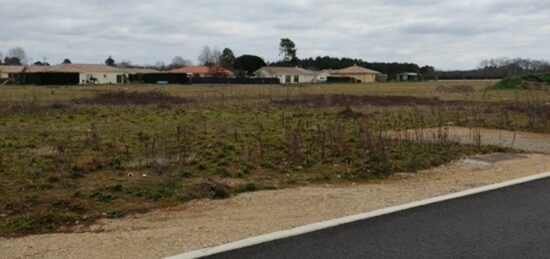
(488, 69)
(495, 69)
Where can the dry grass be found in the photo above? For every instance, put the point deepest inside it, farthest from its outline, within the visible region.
(70, 150)
(250, 93)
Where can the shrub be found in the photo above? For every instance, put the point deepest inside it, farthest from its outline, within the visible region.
(102, 197)
(37, 223)
(115, 213)
(3, 167)
(509, 83)
(219, 193)
(154, 195)
(249, 187)
(515, 82)
(185, 174)
(116, 188)
(186, 197)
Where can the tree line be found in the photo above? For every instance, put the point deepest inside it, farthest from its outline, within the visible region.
(496, 68)
(247, 64)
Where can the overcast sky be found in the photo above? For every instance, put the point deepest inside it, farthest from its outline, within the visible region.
(448, 34)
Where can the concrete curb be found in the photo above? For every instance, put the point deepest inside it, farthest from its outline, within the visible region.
(335, 222)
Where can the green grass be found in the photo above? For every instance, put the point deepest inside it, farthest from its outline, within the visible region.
(514, 82)
(63, 162)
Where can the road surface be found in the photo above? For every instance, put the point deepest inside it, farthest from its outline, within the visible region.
(512, 222)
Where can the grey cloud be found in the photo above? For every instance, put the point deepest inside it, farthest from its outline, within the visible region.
(448, 34)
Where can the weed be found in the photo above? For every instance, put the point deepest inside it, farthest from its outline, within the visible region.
(186, 197)
(249, 187)
(191, 149)
(115, 213)
(102, 197)
(133, 98)
(116, 188)
(218, 192)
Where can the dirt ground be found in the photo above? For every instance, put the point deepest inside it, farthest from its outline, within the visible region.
(206, 223)
(525, 141)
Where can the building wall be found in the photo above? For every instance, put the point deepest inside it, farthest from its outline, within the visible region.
(302, 79)
(364, 78)
(322, 77)
(4, 75)
(102, 78)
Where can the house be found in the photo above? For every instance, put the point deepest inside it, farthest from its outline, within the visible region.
(92, 73)
(140, 70)
(5, 71)
(292, 75)
(322, 76)
(70, 74)
(204, 71)
(408, 76)
(361, 74)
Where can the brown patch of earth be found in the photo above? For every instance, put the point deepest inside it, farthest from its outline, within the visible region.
(525, 141)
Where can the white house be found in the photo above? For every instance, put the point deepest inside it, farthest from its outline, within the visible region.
(407, 76)
(5, 71)
(93, 73)
(292, 75)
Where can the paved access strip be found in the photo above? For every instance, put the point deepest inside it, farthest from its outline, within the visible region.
(511, 222)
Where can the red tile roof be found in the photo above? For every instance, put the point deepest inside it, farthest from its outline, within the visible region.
(203, 70)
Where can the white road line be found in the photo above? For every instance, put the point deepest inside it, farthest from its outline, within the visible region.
(335, 222)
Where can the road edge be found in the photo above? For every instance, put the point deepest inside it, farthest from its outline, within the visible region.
(349, 219)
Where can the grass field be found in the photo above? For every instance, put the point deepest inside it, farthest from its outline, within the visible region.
(71, 155)
(262, 93)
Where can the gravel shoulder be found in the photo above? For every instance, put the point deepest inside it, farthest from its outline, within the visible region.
(205, 223)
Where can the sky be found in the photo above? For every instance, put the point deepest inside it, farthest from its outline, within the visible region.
(447, 34)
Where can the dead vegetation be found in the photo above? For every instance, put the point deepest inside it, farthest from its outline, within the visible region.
(80, 157)
(133, 98)
(534, 85)
(452, 89)
(348, 100)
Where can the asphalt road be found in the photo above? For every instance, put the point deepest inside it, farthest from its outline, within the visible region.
(513, 222)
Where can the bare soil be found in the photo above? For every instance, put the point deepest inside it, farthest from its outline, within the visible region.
(525, 141)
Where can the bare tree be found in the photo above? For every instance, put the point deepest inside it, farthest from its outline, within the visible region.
(205, 58)
(216, 56)
(209, 57)
(178, 61)
(1, 57)
(160, 65)
(125, 64)
(18, 53)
